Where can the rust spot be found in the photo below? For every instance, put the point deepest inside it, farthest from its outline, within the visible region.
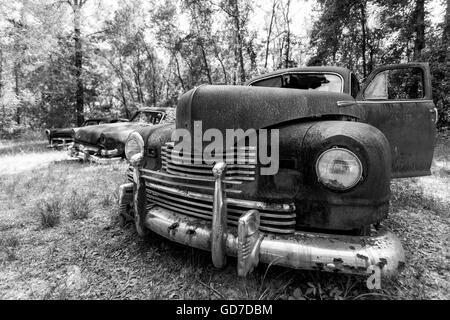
(361, 256)
(173, 226)
(190, 232)
(319, 265)
(382, 263)
(338, 260)
(352, 248)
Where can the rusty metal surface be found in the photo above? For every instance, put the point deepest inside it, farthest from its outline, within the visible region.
(114, 135)
(409, 125)
(85, 156)
(397, 135)
(331, 253)
(66, 133)
(316, 207)
(364, 204)
(231, 107)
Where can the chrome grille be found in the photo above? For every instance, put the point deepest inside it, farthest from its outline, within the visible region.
(178, 166)
(275, 218)
(130, 174)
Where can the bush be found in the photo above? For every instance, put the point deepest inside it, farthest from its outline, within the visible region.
(50, 212)
(77, 206)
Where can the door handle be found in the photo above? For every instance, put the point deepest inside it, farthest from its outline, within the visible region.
(436, 114)
(346, 103)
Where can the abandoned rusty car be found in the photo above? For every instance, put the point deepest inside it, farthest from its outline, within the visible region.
(105, 143)
(62, 137)
(339, 147)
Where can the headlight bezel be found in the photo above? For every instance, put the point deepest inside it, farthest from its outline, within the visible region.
(135, 159)
(357, 181)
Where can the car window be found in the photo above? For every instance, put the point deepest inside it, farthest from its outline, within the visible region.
(396, 84)
(91, 123)
(305, 81)
(170, 116)
(271, 82)
(148, 117)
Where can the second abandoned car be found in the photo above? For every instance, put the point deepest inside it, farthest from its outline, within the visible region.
(59, 138)
(339, 147)
(107, 142)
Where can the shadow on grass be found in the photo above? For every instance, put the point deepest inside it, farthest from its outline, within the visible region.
(406, 193)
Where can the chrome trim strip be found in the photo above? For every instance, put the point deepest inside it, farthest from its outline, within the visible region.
(394, 101)
(159, 173)
(194, 186)
(207, 213)
(208, 170)
(263, 214)
(209, 167)
(230, 201)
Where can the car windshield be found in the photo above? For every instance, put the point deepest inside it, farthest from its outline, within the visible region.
(151, 117)
(305, 81)
(91, 123)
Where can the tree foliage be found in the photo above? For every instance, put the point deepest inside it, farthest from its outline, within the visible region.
(62, 61)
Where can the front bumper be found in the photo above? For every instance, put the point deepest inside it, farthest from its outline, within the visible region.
(301, 250)
(92, 154)
(57, 143)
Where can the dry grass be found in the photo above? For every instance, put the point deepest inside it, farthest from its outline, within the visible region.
(89, 256)
(50, 211)
(9, 147)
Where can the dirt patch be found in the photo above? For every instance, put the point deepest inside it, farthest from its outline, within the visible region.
(20, 162)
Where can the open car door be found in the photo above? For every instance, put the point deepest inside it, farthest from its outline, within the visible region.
(397, 100)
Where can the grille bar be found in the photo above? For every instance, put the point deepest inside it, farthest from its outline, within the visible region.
(243, 168)
(274, 218)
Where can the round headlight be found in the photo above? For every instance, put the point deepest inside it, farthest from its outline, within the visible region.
(339, 169)
(134, 148)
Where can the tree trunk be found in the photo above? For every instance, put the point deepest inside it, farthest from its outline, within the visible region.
(224, 70)
(446, 35)
(124, 100)
(269, 32)
(419, 28)
(364, 37)
(205, 62)
(237, 26)
(2, 122)
(178, 72)
(79, 110)
(288, 37)
(17, 90)
(154, 93)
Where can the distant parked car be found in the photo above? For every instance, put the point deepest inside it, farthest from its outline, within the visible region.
(60, 138)
(107, 142)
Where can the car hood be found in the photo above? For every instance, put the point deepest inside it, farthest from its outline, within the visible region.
(120, 131)
(245, 107)
(60, 133)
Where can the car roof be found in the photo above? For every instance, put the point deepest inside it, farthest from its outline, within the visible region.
(153, 109)
(344, 72)
(98, 119)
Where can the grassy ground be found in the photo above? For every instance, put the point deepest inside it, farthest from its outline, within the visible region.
(59, 239)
